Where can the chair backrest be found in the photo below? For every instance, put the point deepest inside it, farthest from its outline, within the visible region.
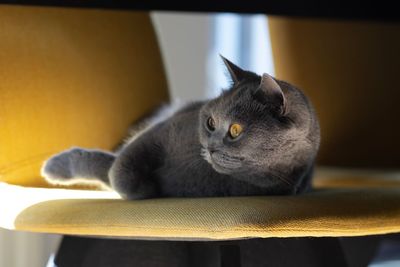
(71, 77)
(350, 70)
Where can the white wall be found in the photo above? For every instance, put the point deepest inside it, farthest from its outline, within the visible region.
(191, 44)
(185, 43)
(19, 249)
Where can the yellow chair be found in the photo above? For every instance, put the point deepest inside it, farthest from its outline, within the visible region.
(72, 77)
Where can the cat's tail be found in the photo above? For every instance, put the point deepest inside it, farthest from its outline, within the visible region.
(78, 165)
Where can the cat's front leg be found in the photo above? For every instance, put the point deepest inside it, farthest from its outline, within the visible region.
(131, 173)
(76, 165)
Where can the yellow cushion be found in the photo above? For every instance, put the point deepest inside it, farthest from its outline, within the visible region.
(71, 77)
(355, 178)
(349, 69)
(325, 212)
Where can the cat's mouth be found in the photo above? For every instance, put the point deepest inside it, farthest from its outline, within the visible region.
(222, 162)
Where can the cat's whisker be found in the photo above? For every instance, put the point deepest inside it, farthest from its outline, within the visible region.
(284, 180)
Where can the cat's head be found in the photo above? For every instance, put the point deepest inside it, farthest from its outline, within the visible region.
(258, 122)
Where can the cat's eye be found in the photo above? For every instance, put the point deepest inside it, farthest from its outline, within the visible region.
(211, 124)
(235, 130)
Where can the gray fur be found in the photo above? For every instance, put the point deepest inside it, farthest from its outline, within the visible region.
(70, 165)
(178, 156)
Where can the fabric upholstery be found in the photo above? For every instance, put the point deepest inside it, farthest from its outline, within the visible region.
(326, 212)
(71, 77)
(349, 69)
(355, 178)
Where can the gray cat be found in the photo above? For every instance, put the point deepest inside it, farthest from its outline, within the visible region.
(259, 137)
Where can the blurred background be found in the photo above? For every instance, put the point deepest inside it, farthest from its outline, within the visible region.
(190, 44)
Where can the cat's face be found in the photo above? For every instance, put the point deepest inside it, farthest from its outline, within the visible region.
(244, 126)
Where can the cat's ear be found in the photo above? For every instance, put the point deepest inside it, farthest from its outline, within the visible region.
(237, 74)
(269, 92)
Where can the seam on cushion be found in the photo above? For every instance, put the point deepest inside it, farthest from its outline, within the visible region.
(203, 229)
(128, 226)
(247, 233)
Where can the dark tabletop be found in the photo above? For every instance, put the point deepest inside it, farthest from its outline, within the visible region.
(370, 10)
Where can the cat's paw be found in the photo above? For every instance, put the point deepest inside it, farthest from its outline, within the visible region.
(58, 168)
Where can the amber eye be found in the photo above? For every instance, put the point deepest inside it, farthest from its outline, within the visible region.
(235, 130)
(211, 124)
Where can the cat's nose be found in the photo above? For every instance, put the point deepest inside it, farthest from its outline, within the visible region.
(212, 150)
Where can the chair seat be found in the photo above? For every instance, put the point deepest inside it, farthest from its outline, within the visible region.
(324, 212)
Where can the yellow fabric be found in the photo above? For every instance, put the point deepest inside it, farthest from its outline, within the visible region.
(339, 212)
(355, 178)
(71, 77)
(350, 71)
